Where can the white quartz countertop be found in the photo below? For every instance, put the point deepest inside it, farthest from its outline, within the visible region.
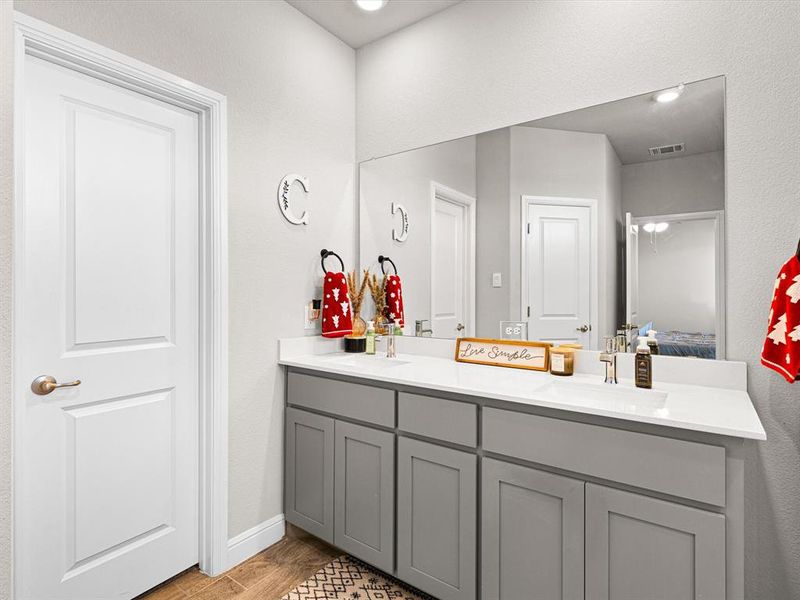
(694, 407)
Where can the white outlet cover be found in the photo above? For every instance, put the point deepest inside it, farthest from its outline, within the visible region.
(308, 324)
(497, 280)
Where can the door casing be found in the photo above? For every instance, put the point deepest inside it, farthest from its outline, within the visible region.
(36, 38)
(593, 245)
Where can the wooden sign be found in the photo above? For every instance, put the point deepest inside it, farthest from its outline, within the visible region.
(534, 356)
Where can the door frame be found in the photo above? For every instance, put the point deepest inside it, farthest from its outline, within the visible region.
(718, 217)
(449, 194)
(37, 38)
(594, 263)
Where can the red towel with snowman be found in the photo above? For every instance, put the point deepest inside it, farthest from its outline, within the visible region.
(394, 299)
(337, 314)
(782, 346)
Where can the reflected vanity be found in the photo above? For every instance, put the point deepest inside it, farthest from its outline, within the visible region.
(575, 227)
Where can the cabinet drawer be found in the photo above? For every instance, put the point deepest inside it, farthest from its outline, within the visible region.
(685, 469)
(351, 400)
(437, 418)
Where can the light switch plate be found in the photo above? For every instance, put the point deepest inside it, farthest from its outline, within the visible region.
(497, 280)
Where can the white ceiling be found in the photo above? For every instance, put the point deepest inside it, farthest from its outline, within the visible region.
(635, 124)
(356, 27)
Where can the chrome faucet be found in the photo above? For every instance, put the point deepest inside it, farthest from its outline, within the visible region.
(419, 328)
(609, 356)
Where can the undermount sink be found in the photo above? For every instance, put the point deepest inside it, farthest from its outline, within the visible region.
(364, 360)
(617, 396)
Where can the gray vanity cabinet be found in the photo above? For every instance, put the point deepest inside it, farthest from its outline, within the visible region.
(436, 519)
(364, 493)
(309, 472)
(640, 547)
(531, 534)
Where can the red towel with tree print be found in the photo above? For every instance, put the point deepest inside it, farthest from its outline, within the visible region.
(394, 300)
(782, 346)
(337, 317)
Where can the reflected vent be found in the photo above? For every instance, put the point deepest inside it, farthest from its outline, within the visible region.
(666, 150)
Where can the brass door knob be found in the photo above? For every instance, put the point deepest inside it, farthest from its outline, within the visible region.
(44, 384)
(584, 328)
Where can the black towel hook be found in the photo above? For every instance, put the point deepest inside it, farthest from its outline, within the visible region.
(383, 260)
(325, 254)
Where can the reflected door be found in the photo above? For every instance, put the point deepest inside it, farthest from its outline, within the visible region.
(631, 271)
(452, 265)
(109, 290)
(559, 273)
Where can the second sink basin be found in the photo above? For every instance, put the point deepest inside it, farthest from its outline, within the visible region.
(602, 394)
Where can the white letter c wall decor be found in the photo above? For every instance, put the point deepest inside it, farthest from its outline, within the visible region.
(399, 208)
(283, 198)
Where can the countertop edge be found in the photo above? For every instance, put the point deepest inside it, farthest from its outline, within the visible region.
(757, 435)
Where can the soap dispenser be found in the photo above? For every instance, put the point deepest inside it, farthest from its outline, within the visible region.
(652, 342)
(643, 365)
(371, 337)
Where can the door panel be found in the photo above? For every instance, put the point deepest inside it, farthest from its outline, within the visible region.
(364, 497)
(110, 297)
(640, 547)
(532, 534)
(449, 265)
(559, 273)
(631, 271)
(436, 519)
(309, 472)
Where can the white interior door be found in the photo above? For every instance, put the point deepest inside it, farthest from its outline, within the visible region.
(452, 266)
(631, 271)
(559, 273)
(109, 287)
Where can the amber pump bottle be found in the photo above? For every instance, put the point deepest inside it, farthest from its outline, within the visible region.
(643, 365)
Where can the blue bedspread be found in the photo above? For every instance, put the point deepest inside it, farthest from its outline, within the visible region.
(681, 343)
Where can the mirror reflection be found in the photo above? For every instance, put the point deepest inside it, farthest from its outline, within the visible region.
(595, 223)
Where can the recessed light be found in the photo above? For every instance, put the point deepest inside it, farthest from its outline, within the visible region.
(669, 95)
(661, 227)
(649, 227)
(370, 5)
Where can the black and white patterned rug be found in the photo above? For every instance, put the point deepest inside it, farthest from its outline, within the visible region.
(346, 578)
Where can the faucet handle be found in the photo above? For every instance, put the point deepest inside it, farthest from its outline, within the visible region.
(608, 342)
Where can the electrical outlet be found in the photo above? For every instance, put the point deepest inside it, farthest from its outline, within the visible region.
(497, 280)
(308, 324)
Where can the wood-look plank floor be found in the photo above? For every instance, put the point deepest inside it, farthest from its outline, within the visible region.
(266, 576)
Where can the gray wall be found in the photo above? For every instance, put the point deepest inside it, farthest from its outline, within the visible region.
(290, 88)
(505, 62)
(676, 185)
(492, 243)
(6, 230)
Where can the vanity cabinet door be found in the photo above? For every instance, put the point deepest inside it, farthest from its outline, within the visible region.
(309, 472)
(531, 534)
(436, 519)
(364, 494)
(639, 547)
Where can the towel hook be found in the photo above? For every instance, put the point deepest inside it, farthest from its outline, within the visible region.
(383, 260)
(798, 251)
(325, 254)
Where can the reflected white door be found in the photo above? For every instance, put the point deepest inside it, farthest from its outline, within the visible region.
(559, 274)
(631, 271)
(452, 265)
(109, 284)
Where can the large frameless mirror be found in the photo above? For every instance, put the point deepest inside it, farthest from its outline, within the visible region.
(568, 228)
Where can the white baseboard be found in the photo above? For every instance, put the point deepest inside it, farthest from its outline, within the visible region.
(254, 540)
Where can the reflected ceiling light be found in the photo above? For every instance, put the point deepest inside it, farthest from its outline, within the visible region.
(668, 95)
(370, 5)
(657, 227)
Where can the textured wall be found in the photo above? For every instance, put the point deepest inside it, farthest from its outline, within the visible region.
(479, 66)
(290, 88)
(6, 200)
